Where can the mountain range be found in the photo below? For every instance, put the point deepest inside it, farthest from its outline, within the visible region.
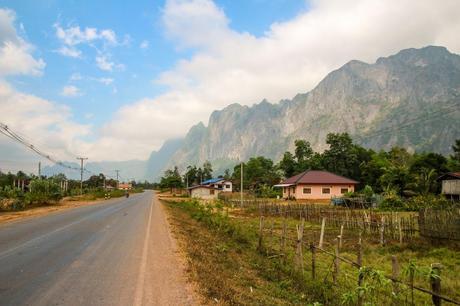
(410, 99)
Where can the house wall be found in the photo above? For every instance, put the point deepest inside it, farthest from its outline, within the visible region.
(225, 185)
(316, 191)
(451, 187)
(204, 193)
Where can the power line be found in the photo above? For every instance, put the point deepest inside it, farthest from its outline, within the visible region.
(5, 130)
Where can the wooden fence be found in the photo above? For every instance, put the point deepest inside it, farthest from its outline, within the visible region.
(393, 225)
(275, 240)
(440, 223)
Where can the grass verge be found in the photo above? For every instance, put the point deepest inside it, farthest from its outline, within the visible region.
(223, 259)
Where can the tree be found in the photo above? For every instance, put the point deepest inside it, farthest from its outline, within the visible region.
(303, 154)
(288, 165)
(341, 156)
(207, 171)
(372, 170)
(227, 174)
(456, 149)
(191, 176)
(425, 168)
(171, 179)
(257, 171)
(95, 181)
(454, 160)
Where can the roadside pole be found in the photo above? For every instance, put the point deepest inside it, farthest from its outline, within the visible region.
(81, 173)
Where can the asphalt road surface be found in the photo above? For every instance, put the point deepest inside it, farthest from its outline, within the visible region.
(119, 252)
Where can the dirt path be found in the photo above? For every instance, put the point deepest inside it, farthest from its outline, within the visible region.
(10, 216)
(164, 280)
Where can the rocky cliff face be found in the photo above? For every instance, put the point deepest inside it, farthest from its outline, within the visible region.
(410, 99)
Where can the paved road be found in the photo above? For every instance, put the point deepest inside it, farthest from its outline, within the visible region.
(119, 252)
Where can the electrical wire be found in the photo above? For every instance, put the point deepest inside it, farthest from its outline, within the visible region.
(5, 130)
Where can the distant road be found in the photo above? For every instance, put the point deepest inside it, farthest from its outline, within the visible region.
(119, 252)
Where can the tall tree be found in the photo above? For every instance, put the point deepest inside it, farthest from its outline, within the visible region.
(303, 154)
(341, 156)
(207, 170)
(288, 165)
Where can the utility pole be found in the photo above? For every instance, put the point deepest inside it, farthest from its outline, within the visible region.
(39, 170)
(117, 171)
(241, 187)
(81, 173)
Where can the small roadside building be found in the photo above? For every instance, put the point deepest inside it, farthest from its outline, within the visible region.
(316, 185)
(210, 189)
(450, 185)
(125, 186)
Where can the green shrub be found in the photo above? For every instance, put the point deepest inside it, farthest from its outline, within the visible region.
(43, 192)
(391, 201)
(425, 201)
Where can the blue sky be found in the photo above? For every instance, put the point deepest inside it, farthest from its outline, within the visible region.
(112, 80)
(133, 24)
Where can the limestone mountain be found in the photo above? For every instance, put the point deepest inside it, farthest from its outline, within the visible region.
(410, 99)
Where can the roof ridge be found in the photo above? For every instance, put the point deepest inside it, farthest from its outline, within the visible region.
(305, 172)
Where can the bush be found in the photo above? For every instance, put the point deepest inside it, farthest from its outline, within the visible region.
(267, 191)
(391, 201)
(43, 192)
(425, 201)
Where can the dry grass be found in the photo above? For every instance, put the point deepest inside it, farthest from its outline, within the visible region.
(226, 269)
(229, 271)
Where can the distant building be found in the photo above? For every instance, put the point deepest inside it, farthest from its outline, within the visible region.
(210, 189)
(316, 185)
(125, 186)
(451, 185)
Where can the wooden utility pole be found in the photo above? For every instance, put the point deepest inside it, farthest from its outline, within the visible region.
(81, 172)
(39, 170)
(117, 171)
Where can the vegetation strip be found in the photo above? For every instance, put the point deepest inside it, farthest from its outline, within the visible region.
(263, 233)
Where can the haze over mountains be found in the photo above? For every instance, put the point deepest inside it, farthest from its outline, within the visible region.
(410, 99)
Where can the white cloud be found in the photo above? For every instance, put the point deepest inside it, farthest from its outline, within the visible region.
(104, 63)
(228, 66)
(15, 53)
(71, 91)
(75, 35)
(144, 44)
(75, 77)
(105, 81)
(46, 124)
(69, 51)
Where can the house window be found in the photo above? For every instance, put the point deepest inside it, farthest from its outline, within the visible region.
(211, 191)
(307, 190)
(343, 190)
(284, 189)
(326, 190)
(227, 186)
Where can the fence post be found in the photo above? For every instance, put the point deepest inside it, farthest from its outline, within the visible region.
(283, 239)
(321, 237)
(382, 232)
(400, 231)
(395, 275)
(360, 263)
(341, 236)
(313, 261)
(299, 257)
(435, 279)
(335, 275)
(261, 232)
